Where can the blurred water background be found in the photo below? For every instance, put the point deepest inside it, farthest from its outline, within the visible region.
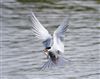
(21, 54)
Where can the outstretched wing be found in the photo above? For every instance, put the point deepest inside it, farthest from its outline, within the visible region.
(58, 36)
(40, 32)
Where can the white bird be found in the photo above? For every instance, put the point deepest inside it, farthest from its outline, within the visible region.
(54, 46)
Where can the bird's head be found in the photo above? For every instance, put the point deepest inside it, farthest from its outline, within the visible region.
(52, 53)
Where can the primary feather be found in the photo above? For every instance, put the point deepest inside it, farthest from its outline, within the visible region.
(58, 36)
(40, 32)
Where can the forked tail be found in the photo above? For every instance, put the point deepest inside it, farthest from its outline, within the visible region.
(59, 62)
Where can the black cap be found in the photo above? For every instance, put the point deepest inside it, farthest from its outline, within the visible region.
(48, 47)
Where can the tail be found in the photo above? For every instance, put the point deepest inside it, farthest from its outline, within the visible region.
(59, 62)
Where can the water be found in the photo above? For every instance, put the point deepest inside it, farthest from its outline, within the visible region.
(21, 54)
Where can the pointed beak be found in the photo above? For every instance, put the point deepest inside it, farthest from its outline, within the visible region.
(46, 52)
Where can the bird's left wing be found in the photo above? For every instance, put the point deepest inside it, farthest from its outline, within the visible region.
(58, 35)
(40, 32)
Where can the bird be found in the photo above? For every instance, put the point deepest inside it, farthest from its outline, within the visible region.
(53, 45)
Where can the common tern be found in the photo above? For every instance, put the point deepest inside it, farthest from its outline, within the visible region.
(54, 46)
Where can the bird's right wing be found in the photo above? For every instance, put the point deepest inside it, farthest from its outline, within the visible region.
(40, 32)
(58, 35)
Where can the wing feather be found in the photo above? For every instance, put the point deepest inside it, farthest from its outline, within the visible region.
(58, 36)
(40, 32)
